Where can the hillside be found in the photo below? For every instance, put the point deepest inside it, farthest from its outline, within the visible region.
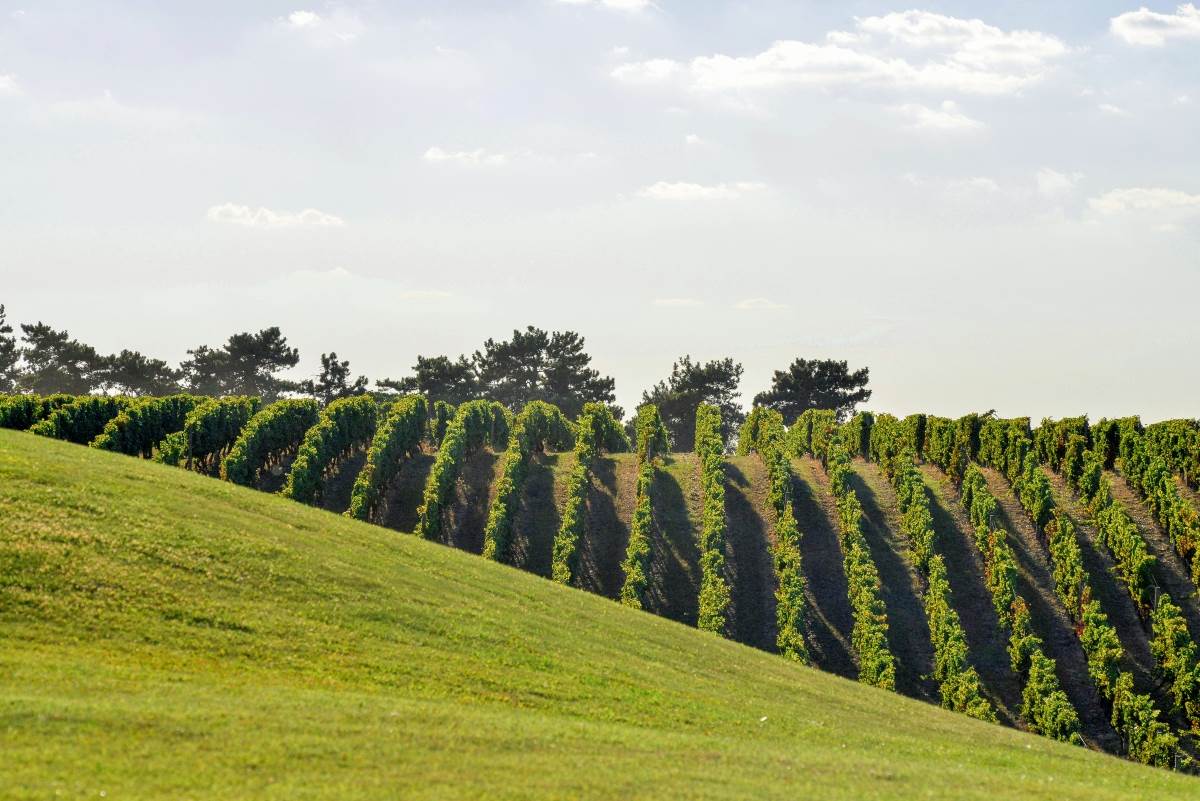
(165, 635)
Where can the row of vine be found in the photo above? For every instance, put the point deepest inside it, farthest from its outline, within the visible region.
(958, 681)
(714, 596)
(815, 433)
(538, 426)
(1135, 717)
(597, 430)
(1175, 651)
(764, 433)
(475, 424)
(652, 440)
(397, 437)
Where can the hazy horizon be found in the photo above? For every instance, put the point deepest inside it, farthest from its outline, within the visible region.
(992, 206)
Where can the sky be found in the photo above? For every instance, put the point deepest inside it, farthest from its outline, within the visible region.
(991, 205)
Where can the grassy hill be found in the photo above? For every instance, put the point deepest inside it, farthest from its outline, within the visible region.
(165, 635)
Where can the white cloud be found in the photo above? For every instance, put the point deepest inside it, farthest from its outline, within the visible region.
(1051, 183)
(758, 304)
(946, 118)
(693, 139)
(908, 50)
(618, 5)
(265, 218)
(975, 184)
(682, 190)
(467, 158)
(9, 85)
(1116, 111)
(336, 28)
(678, 303)
(956, 187)
(656, 70)
(1144, 199)
(1153, 29)
(303, 19)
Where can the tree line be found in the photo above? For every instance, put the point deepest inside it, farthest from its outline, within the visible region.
(531, 365)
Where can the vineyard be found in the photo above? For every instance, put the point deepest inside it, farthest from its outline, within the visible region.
(1040, 578)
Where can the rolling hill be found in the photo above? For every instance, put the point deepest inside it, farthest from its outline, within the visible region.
(165, 635)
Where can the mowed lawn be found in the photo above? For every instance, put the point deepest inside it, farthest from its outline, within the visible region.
(166, 635)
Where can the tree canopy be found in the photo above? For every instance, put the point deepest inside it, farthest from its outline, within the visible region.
(54, 362)
(533, 365)
(690, 384)
(131, 373)
(9, 355)
(247, 364)
(334, 381)
(440, 379)
(815, 384)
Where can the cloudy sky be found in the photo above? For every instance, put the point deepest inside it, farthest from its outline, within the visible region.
(993, 205)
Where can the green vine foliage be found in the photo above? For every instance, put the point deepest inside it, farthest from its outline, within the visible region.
(1054, 440)
(1150, 460)
(1147, 738)
(208, 433)
(1119, 534)
(1061, 446)
(877, 665)
(856, 434)
(440, 416)
(143, 424)
(343, 426)
(638, 552)
(1044, 704)
(275, 430)
(19, 412)
(812, 433)
(397, 437)
(1177, 659)
(710, 450)
(539, 426)
(1177, 442)
(596, 430)
(83, 419)
(476, 424)
(652, 440)
(958, 681)
(764, 433)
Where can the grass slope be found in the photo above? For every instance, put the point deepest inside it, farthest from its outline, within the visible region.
(164, 635)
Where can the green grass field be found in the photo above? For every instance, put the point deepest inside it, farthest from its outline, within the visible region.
(165, 635)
